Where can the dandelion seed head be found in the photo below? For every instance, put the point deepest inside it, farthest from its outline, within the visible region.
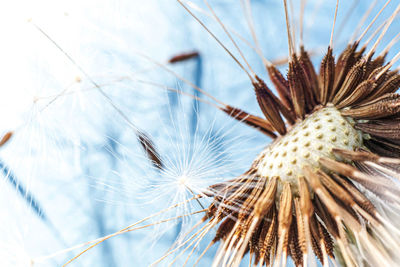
(201, 161)
(182, 180)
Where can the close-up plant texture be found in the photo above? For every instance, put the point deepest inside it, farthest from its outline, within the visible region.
(200, 133)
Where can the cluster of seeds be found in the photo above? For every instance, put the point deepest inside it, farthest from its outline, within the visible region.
(335, 131)
(327, 184)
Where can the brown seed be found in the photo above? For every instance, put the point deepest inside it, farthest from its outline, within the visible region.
(385, 106)
(345, 61)
(389, 129)
(183, 57)
(352, 79)
(150, 150)
(281, 85)
(6, 138)
(326, 76)
(254, 121)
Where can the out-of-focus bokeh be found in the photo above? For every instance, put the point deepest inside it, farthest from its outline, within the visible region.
(74, 170)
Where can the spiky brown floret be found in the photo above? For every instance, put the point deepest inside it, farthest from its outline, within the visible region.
(329, 210)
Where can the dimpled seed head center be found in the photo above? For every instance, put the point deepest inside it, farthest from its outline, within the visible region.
(306, 143)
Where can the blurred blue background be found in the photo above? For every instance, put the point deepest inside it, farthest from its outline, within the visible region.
(74, 170)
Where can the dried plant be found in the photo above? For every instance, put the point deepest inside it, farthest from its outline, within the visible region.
(326, 188)
(324, 185)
